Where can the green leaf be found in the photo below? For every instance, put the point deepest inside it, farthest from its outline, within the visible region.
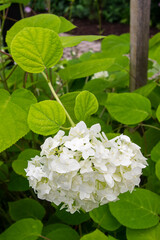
(158, 113)
(153, 184)
(13, 115)
(147, 234)
(85, 69)
(4, 172)
(146, 90)
(49, 228)
(17, 183)
(96, 85)
(72, 219)
(71, 41)
(4, 6)
(63, 233)
(155, 153)
(25, 229)
(158, 169)
(104, 218)
(46, 117)
(86, 104)
(116, 45)
(16, 77)
(26, 208)
(48, 21)
(128, 108)
(154, 41)
(120, 63)
(111, 238)
(65, 25)
(22, 161)
(137, 210)
(96, 235)
(154, 97)
(35, 49)
(24, 98)
(151, 138)
(68, 101)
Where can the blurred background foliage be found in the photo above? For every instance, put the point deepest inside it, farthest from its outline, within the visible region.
(110, 10)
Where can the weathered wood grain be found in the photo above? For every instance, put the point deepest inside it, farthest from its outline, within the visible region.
(139, 37)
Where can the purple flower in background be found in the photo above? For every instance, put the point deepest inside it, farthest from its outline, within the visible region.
(27, 9)
(159, 4)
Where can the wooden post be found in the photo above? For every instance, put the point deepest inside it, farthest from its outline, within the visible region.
(139, 37)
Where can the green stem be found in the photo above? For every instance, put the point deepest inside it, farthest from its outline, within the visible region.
(11, 72)
(99, 17)
(146, 125)
(57, 98)
(21, 10)
(44, 237)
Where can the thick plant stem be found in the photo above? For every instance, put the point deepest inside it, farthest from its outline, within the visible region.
(57, 98)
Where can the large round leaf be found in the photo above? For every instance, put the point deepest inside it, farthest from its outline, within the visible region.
(46, 117)
(25, 229)
(104, 218)
(137, 210)
(22, 161)
(147, 234)
(72, 219)
(17, 183)
(64, 233)
(128, 108)
(13, 115)
(26, 208)
(86, 104)
(158, 169)
(49, 21)
(96, 235)
(155, 153)
(158, 113)
(35, 49)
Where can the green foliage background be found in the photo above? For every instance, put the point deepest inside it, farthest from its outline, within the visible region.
(29, 113)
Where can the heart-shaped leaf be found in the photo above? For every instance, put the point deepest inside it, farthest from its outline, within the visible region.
(141, 234)
(128, 108)
(25, 229)
(49, 21)
(46, 117)
(104, 218)
(137, 210)
(21, 163)
(86, 104)
(35, 49)
(26, 208)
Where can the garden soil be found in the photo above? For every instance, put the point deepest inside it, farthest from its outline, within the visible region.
(86, 27)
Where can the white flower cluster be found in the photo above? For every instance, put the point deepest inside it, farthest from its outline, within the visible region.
(84, 169)
(103, 74)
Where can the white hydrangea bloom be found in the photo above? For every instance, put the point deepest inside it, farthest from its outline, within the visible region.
(103, 74)
(84, 169)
